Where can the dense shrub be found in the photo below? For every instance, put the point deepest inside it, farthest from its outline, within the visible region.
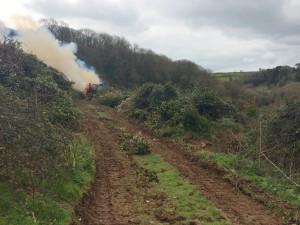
(209, 104)
(173, 108)
(138, 114)
(111, 97)
(37, 118)
(151, 96)
(136, 145)
(141, 100)
(229, 124)
(173, 132)
(195, 122)
(169, 92)
(156, 98)
(160, 106)
(140, 145)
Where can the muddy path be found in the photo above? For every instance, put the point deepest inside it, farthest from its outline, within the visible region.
(108, 201)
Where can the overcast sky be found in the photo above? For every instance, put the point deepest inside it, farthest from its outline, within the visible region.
(221, 35)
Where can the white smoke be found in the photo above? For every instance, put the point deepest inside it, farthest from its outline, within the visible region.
(4, 31)
(41, 42)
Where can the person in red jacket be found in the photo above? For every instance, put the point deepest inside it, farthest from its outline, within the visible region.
(88, 88)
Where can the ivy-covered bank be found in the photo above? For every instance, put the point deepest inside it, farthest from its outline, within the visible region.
(45, 163)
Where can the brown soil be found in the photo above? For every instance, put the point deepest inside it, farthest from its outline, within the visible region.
(110, 202)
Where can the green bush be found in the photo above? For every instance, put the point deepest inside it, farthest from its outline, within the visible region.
(229, 124)
(151, 96)
(112, 99)
(172, 132)
(136, 145)
(141, 100)
(210, 105)
(161, 94)
(156, 98)
(194, 122)
(140, 145)
(138, 114)
(169, 92)
(173, 108)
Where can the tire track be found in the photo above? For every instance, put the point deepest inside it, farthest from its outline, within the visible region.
(235, 206)
(107, 202)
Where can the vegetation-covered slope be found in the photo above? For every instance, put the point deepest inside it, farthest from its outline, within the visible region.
(40, 154)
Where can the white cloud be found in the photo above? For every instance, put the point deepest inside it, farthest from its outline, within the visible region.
(291, 10)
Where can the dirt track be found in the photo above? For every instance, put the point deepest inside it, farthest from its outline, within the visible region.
(109, 202)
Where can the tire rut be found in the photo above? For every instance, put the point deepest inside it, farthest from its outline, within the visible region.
(107, 202)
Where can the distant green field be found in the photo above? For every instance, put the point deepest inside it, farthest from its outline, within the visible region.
(228, 76)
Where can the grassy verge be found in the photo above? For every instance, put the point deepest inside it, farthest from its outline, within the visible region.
(17, 207)
(251, 175)
(183, 199)
(52, 201)
(260, 174)
(76, 180)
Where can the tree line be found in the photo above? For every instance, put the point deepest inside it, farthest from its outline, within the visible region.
(279, 75)
(123, 64)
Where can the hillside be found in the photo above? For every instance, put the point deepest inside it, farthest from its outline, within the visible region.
(165, 143)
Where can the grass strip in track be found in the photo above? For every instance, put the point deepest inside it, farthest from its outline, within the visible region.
(188, 203)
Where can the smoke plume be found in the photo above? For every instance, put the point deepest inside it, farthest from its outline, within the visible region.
(41, 42)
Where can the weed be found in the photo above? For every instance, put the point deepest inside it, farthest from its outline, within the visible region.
(150, 175)
(136, 145)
